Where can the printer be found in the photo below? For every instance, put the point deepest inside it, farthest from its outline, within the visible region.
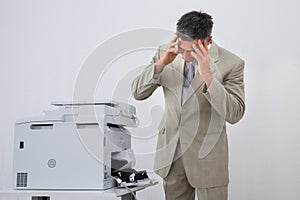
(76, 146)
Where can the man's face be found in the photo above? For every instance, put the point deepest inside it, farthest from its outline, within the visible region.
(185, 48)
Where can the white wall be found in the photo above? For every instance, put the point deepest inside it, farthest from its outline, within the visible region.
(45, 43)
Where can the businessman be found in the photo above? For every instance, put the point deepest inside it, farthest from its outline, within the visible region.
(203, 86)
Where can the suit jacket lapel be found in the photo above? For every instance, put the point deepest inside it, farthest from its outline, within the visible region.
(178, 76)
(198, 80)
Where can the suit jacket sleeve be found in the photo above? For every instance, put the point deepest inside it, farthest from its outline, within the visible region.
(146, 83)
(228, 98)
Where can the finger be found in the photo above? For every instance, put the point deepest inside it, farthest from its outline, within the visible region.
(174, 38)
(202, 47)
(197, 50)
(173, 50)
(196, 56)
(173, 44)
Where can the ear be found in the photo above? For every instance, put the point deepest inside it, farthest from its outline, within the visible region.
(209, 40)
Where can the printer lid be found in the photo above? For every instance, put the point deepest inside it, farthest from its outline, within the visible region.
(70, 108)
(84, 103)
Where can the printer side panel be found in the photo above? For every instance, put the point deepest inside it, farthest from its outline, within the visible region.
(53, 155)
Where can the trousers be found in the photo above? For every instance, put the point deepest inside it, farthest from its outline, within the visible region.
(177, 187)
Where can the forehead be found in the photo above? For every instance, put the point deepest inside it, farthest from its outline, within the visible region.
(186, 45)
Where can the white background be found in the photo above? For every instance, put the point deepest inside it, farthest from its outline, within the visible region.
(44, 43)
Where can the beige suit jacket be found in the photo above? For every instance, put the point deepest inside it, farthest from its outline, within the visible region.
(199, 123)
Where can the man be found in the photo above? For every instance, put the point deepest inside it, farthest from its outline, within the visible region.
(203, 86)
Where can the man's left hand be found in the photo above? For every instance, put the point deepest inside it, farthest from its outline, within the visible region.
(202, 56)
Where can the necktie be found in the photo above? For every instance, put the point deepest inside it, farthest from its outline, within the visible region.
(189, 73)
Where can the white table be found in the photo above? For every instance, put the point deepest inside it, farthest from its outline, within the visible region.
(110, 194)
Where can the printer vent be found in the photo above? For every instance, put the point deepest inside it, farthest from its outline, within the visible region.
(22, 179)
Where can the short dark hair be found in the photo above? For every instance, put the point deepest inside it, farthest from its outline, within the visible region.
(194, 25)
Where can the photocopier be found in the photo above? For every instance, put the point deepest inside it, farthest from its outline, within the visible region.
(80, 145)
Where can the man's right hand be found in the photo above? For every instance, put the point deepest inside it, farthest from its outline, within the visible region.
(168, 56)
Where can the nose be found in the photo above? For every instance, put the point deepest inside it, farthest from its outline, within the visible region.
(184, 54)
